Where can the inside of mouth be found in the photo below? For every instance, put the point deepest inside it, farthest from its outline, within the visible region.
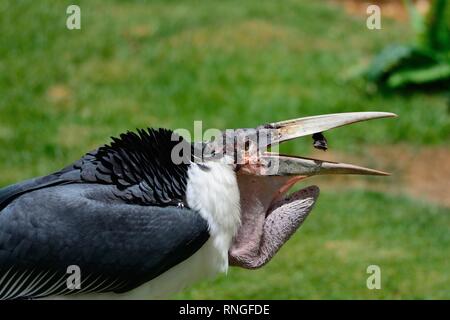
(260, 195)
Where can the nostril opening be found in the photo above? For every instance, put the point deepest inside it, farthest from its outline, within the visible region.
(247, 145)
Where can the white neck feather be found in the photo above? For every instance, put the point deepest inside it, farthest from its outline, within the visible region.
(213, 192)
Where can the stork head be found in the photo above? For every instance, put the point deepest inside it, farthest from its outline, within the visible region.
(269, 215)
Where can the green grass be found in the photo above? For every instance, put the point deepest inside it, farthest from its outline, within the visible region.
(230, 64)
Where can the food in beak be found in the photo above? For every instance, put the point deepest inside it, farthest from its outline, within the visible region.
(320, 142)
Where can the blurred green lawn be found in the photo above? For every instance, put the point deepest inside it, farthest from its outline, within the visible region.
(230, 64)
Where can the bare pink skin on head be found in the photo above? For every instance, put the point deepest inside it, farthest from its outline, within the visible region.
(269, 218)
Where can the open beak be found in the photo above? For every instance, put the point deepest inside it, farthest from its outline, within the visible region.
(256, 160)
(269, 214)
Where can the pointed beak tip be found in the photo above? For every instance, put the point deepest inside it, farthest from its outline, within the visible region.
(377, 114)
(391, 115)
(382, 173)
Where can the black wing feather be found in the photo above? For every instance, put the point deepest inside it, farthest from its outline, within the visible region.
(142, 160)
(111, 213)
(118, 244)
